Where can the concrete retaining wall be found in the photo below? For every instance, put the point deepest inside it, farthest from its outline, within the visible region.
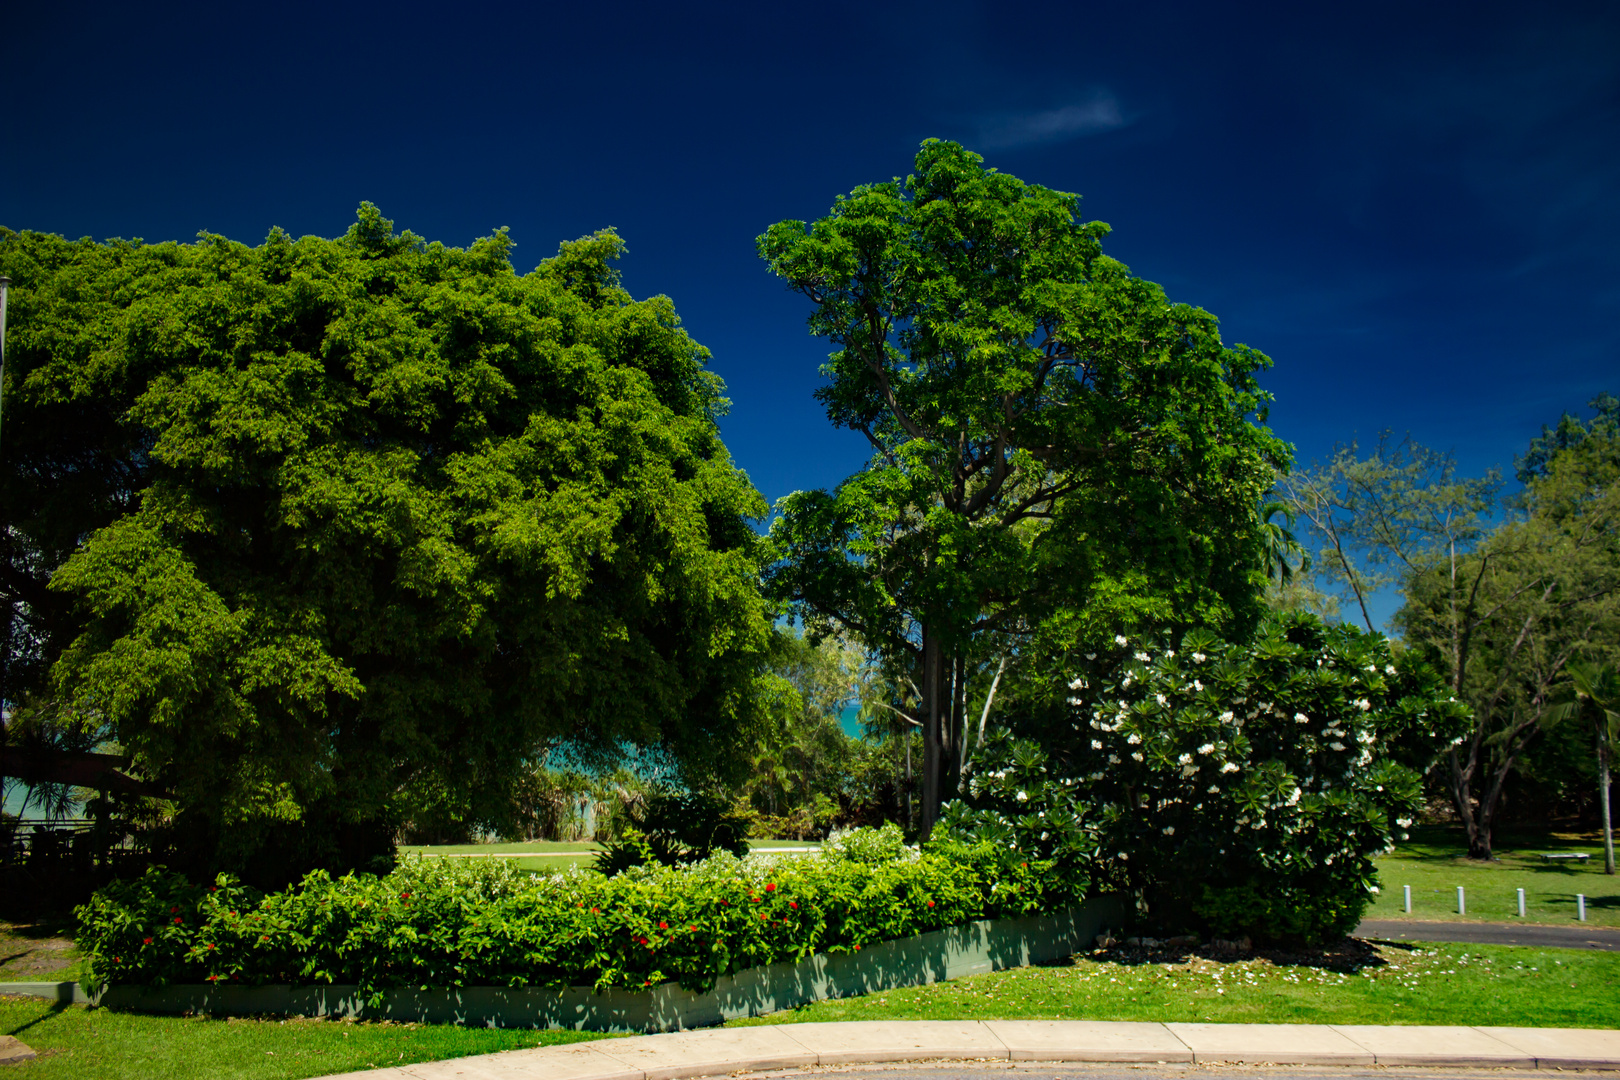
(972, 948)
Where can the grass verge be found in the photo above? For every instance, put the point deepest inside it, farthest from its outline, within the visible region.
(1388, 984)
(1433, 864)
(95, 1044)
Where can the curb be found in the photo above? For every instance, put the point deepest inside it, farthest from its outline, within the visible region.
(69, 993)
(750, 1049)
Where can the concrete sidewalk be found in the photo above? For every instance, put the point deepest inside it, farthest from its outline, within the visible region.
(715, 1051)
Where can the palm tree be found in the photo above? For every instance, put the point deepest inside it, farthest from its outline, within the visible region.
(1279, 543)
(1594, 690)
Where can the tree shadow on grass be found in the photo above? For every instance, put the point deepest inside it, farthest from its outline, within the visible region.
(55, 1008)
(1346, 957)
(1567, 900)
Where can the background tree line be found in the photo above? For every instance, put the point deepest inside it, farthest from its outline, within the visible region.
(1506, 591)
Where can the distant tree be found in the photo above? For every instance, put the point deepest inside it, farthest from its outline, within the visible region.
(802, 751)
(1594, 691)
(321, 527)
(1058, 450)
(1570, 432)
(1400, 511)
(1505, 617)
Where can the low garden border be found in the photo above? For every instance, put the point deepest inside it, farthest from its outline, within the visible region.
(968, 949)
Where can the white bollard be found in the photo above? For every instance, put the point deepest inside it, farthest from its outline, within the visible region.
(1521, 903)
(1407, 891)
(1580, 906)
(1462, 907)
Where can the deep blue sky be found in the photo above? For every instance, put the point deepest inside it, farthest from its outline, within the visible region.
(1411, 207)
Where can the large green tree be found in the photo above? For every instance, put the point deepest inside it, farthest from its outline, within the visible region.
(324, 529)
(1059, 451)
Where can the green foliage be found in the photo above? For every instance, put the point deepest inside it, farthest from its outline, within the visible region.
(1570, 433)
(1402, 509)
(1500, 594)
(801, 757)
(1282, 766)
(449, 923)
(367, 525)
(1506, 617)
(1281, 912)
(1058, 450)
(674, 827)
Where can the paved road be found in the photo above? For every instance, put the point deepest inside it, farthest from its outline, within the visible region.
(1562, 937)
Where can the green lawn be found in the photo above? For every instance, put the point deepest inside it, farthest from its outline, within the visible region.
(548, 855)
(1431, 984)
(1433, 864)
(95, 1044)
(505, 848)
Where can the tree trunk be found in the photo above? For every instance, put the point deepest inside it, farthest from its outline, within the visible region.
(1475, 823)
(933, 741)
(911, 811)
(1603, 797)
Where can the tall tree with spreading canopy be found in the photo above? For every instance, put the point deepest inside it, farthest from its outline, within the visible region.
(1058, 450)
(367, 524)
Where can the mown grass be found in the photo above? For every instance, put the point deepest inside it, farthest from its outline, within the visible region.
(1433, 863)
(1429, 984)
(507, 848)
(545, 856)
(96, 1044)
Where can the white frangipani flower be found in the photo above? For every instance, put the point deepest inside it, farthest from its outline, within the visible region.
(1142, 656)
(1226, 717)
(1207, 748)
(1023, 796)
(1199, 658)
(1096, 744)
(1169, 830)
(1230, 766)
(1119, 639)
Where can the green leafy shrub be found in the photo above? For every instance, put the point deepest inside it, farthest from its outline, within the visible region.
(1242, 788)
(674, 827)
(451, 923)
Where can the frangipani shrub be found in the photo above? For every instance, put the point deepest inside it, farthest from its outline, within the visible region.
(1243, 788)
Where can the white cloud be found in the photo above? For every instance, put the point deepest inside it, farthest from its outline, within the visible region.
(1100, 112)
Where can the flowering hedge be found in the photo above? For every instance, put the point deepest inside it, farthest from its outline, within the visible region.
(453, 923)
(1244, 788)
